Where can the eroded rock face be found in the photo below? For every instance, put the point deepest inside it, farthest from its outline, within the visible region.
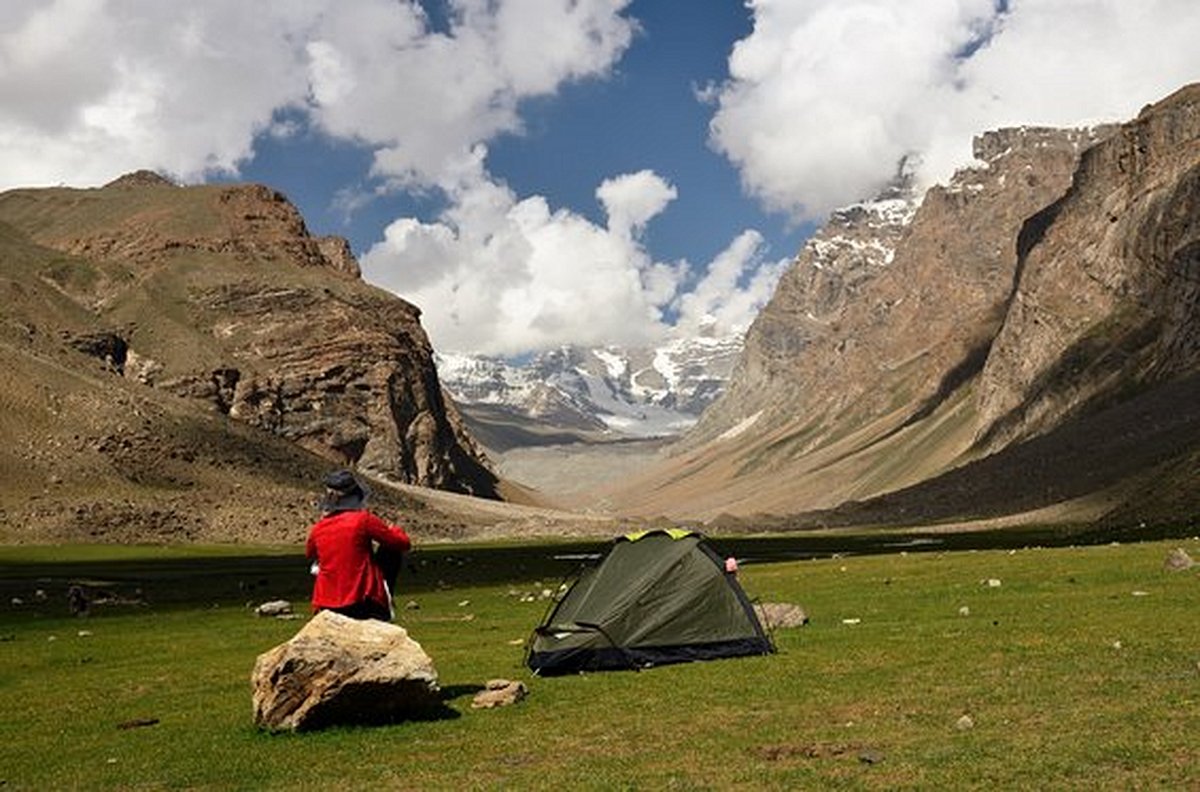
(892, 304)
(347, 374)
(231, 300)
(342, 671)
(1109, 286)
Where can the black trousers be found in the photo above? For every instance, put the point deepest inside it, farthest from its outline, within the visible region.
(364, 610)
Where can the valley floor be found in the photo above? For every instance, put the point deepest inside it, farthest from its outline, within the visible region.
(570, 475)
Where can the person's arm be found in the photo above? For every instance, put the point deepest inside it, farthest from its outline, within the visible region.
(310, 548)
(392, 537)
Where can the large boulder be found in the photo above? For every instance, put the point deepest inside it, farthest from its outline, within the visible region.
(338, 670)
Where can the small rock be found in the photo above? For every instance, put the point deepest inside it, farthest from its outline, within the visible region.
(1178, 560)
(499, 693)
(274, 608)
(964, 611)
(851, 621)
(1139, 593)
(412, 605)
(1116, 644)
(781, 615)
(17, 602)
(464, 603)
(870, 757)
(993, 583)
(965, 723)
(85, 633)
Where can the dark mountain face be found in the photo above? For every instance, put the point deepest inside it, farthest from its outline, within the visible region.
(1033, 294)
(214, 306)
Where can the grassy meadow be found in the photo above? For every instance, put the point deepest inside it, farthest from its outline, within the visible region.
(1078, 668)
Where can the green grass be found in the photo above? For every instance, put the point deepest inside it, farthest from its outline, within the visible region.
(1079, 670)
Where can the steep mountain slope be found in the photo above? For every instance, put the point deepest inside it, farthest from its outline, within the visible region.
(219, 293)
(164, 342)
(1030, 296)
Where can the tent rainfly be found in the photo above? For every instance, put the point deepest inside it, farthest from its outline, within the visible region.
(657, 597)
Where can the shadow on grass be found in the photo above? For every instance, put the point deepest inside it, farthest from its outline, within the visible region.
(35, 589)
(453, 692)
(343, 721)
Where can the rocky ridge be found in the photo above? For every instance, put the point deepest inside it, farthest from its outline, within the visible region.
(220, 294)
(1024, 311)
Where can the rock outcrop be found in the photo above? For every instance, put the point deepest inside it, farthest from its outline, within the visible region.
(342, 671)
(1108, 295)
(894, 301)
(219, 293)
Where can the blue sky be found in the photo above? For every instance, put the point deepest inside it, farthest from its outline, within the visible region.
(645, 114)
(539, 172)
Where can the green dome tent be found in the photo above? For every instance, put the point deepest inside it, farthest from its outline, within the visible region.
(658, 597)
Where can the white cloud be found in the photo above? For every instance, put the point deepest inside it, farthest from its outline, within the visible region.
(633, 199)
(424, 99)
(735, 286)
(503, 275)
(825, 96)
(90, 89)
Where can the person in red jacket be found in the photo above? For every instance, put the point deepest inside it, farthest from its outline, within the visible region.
(354, 553)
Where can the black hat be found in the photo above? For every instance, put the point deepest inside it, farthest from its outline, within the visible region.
(343, 492)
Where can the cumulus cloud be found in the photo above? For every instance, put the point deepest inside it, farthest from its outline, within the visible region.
(506, 275)
(424, 99)
(90, 89)
(633, 199)
(735, 286)
(825, 96)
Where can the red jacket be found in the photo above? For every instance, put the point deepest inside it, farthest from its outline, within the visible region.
(340, 543)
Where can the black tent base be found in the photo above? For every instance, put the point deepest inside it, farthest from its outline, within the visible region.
(570, 661)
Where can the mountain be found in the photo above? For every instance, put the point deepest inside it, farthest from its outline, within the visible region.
(575, 393)
(175, 353)
(1024, 342)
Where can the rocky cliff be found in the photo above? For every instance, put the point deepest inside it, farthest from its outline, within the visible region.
(219, 294)
(1050, 283)
(1106, 300)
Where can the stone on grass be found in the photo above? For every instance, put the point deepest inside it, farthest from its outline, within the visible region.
(499, 693)
(780, 615)
(339, 670)
(1178, 560)
(965, 723)
(274, 608)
